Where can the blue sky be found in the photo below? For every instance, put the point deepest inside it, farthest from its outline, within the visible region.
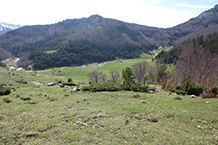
(157, 13)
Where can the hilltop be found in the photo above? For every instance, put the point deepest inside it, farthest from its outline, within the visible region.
(104, 35)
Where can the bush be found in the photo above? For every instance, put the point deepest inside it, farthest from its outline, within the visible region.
(164, 84)
(151, 88)
(180, 88)
(7, 100)
(69, 84)
(106, 86)
(5, 90)
(214, 90)
(195, 90)
(138, 87)
(189, 87)
(69, 80)
(209, 93)
(180, 92)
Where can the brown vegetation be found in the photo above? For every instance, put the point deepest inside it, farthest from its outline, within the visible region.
(194, 61)
(208, 94)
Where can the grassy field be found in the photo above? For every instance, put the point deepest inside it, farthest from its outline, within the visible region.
(119, 65)
(54, 115)
(51, 51)
(77, 74)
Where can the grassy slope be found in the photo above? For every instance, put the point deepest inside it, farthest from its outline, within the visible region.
(119, 65)
(77, 74)
(58, 118)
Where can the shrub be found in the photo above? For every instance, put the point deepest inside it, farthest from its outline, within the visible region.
(164, 84)
(214, 90)
(151, 88)
(179, 88)
(69, 84)
(5, 90)
(106, 86)
(137, 87)
(195, 90)
(209, 94)
(69, 80)
(86, 88)
(180, 92)
(7, 100)
(172, 90)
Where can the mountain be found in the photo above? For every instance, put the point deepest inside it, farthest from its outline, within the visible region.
(105, 34)
(5, 27)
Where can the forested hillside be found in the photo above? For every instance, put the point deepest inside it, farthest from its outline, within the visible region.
(195, 58)
(80, 52)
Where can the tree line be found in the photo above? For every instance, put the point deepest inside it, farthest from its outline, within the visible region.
(135, 78)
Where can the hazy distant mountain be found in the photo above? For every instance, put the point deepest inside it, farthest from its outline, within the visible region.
(5, 27)
(105, 33)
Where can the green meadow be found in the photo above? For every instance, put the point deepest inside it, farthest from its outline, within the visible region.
(36, 114)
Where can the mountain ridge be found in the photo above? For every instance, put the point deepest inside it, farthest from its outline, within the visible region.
(105, 33)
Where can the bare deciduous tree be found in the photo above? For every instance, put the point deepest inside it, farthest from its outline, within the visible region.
(97, 76)
(139, 70)
(200, 65)
(115, 76)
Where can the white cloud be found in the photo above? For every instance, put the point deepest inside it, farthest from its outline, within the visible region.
(195, 6)
(33, 12)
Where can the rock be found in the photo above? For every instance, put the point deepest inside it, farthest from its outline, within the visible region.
(199, 126)
(75, 89)
(51, 84)
(60, 85)
(149, 91)
(143, 102)
(138, 117)
(80, 122)
(95, 117)
(193, 96)
(102, 115)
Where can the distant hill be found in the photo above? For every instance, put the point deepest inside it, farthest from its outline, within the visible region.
(5, 27)
(105, 34)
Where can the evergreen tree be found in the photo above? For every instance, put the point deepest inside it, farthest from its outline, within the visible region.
(128, 78)
(161, 73)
